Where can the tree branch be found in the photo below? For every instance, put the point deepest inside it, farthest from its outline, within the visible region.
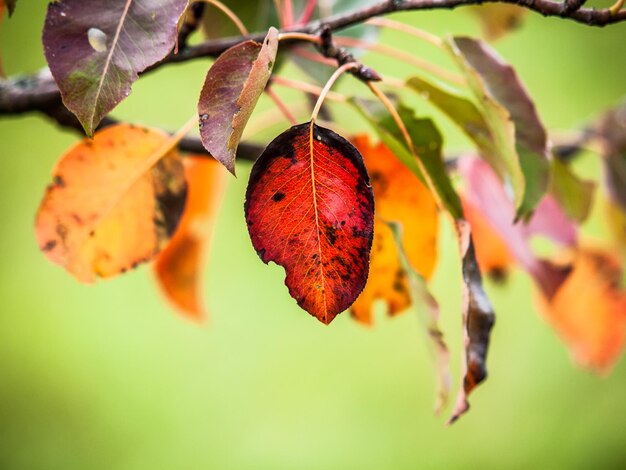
(40, 93)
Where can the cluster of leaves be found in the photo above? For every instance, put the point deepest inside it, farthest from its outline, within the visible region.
(351, 220)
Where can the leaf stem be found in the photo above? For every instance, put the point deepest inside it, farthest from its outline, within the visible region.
(280, 104)
(299, 37)
(403, 56)
(307, 88)
(616, 7)
(231, 15)
(405, 28)
(288, 13)
(333, 78)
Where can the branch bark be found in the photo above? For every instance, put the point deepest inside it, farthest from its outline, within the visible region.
(40, 93)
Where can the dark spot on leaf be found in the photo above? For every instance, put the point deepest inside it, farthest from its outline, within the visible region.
(50, 244)
(279, 196)
(59, 182)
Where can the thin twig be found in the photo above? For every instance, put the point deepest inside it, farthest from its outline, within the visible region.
(405, 28)
(280, 104)
(307, 12)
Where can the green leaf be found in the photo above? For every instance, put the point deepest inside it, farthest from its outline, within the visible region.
(427, 144)
(504, 85)
(574, 195)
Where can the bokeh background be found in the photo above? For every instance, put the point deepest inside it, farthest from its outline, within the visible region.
(108, 377)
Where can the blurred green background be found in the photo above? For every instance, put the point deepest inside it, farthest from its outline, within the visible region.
(107, 377)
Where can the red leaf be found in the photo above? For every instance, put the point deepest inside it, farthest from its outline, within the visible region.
(310, 208)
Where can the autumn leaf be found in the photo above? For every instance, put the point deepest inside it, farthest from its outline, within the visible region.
(588, 311)
(96, 50)
(115, 201)
(428, 311)
(400, 197)
(231, 90)
(504, 85)
(478, 320)
(498, 19)
(611, 129)
(493, 256)
(310, 209)
(179, 266)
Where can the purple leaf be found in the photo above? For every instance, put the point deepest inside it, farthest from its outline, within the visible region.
(231, 90)
(96, 50)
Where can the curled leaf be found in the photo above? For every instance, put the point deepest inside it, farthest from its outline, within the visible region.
(478, 320)
(400, 196)
(231, 90)
(115, 201)
(179, 266)
(428, 310)
(310, 209)
(573, 194)
(96, 50)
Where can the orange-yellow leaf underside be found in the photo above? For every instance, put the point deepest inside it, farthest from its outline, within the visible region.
(401, 197)
(114, 202)
(179, 266)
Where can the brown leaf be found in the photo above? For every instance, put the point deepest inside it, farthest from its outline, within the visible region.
(114, 202)
(400, 197)
(231, 90)
(179, 266)
(478, 320)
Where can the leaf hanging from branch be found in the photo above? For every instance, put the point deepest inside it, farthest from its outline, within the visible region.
(115, 201)
(231, 90)
(499, 19)
(478, 320)
(179, 266)
(96, 50)
(531, 141)
(310, 209)
(401, 197)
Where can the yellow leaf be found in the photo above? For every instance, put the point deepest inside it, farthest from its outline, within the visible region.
(179, 266)
(401, 197)
(114, 202)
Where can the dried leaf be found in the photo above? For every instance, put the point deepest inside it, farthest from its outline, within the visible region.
(505, 86)
(401, 197)
(178, 267)
(310, 208)
(478, 320)
(588, 311)
(96, 50)
(611, 128)
(498, 19)
(115, 201)
(428, 311)
(231, 90)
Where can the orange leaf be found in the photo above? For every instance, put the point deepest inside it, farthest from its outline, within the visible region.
(589, 311)
(179, 266)
(114, 202)
(494, 257)
(401, 197)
